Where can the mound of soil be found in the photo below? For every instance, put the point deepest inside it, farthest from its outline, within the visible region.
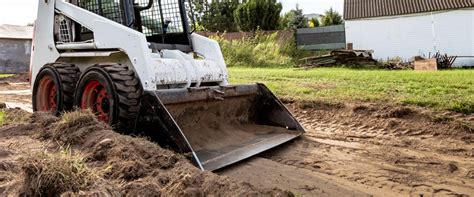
(124, 165)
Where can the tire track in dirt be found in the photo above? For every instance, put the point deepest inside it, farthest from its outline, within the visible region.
(381, 150)
(412, 158)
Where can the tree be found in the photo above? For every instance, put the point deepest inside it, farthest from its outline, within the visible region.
(332, 17)
(252, 15)
(313, 22)
(294, 19)
(217, 15)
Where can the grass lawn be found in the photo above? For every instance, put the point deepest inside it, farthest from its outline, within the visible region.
(451, 89)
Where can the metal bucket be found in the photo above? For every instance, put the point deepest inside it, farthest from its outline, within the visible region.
(217, 125)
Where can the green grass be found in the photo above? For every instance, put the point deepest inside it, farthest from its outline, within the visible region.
(261, 50)
(2, 117)
(449, 89)
(5, 75)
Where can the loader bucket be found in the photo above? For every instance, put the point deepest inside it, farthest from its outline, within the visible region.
(217, 125)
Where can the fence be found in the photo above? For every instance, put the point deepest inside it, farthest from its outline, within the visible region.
(282, 34)
(321, 38)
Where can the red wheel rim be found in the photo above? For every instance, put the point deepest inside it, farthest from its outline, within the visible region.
(47, 95)
(95, 98)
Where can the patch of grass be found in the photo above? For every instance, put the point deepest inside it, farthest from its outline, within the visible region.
(448, 89)
(72, 126)
(261, 50)
(53, 173)
(5, 75)
(2, 116)
(13, 116)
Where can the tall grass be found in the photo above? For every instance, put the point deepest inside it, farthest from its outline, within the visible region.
(261, 50)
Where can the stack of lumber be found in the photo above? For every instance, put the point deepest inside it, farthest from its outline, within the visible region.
(339, 57)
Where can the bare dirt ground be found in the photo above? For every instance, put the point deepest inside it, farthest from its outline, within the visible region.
(15, 92)
(349, 150)
(380, 150)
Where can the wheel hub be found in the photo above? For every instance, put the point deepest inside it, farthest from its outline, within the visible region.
(47, 95)
(95, 98)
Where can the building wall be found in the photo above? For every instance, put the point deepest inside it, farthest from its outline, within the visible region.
(451, 32)
(14, 55)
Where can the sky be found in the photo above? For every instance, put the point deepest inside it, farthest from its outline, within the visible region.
(22, 12)
(313, 6)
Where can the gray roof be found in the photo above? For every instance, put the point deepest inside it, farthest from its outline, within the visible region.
(355, 9)
(16, 32)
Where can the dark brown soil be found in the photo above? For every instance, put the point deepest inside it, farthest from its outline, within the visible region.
(127, 165)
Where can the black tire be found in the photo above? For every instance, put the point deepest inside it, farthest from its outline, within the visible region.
(123, 92)
(65, 77)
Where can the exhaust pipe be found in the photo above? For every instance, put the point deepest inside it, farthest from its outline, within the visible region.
(218, 125)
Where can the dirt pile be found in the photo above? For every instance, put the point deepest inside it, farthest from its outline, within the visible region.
(76, 153)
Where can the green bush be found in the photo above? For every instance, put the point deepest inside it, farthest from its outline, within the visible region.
(261, 50)
(258, 14)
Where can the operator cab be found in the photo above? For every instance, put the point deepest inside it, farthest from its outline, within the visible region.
(164, 22)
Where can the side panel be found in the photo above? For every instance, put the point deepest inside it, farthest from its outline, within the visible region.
(44, 50)
(111, 35)
(210, 50)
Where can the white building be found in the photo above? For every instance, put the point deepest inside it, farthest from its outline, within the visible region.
(407, 28)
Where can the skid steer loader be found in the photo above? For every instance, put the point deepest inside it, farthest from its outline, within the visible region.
(137, 65)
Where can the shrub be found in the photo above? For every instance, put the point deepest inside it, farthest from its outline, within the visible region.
(260, 50)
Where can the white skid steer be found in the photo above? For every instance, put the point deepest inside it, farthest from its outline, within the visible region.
(138, 67)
